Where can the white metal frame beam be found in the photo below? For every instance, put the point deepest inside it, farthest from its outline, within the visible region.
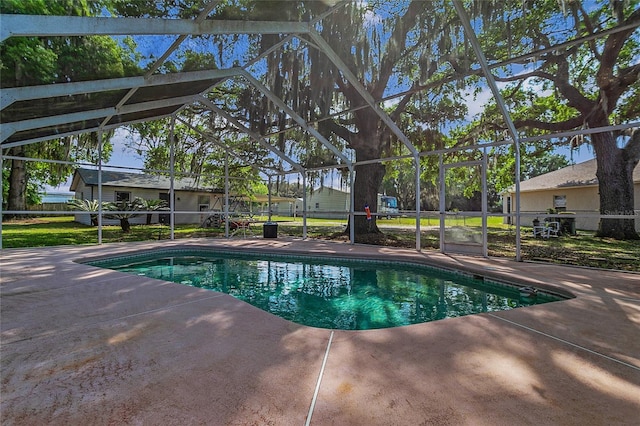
(9, 129)
(70, 26)
(16, 94)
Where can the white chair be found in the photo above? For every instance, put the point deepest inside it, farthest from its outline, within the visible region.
(539, 231)
(553, 229)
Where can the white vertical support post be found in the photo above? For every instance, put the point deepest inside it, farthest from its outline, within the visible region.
(485, 236)
(172, 176)
(99, 187)
(352, 215)
(418, 218)
(466, 23)
(1, 199)
(442, 202)
(304, 205)
(269, 197)
(226, 195)
(517, 179)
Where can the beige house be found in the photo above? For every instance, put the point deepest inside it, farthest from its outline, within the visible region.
(571, 189)
(193, 203)
(332, 203)
(329, 203)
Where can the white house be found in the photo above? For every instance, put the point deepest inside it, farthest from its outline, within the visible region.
(195, 201)
(571, 189)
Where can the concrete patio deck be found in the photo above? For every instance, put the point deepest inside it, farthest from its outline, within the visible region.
(83, 345)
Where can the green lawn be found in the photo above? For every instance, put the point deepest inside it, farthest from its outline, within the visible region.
(62, 230)
(584, 249)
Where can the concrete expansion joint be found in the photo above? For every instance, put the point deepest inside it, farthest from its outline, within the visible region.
(566, 342)
(315, 393)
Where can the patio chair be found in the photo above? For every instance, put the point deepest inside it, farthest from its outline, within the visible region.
(553, 229)
(241, 225)
(539, 231)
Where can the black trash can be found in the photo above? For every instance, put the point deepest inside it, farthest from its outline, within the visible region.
(568, 225)
(270, 230)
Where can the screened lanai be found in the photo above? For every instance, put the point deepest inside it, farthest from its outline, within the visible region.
(267, 58)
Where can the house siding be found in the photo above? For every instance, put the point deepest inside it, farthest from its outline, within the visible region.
(184, 202)
(331, 204)
(580, 200)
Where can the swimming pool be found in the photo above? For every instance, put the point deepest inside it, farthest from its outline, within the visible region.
(331, 293)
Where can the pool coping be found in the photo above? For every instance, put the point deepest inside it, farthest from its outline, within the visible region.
(574, 364)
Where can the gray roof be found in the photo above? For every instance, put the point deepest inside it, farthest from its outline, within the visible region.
(576, 175)
(134, 180)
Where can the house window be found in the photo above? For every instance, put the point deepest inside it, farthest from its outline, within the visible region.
(317, 205)
(123, 196)
(203, 202)
(560, 203)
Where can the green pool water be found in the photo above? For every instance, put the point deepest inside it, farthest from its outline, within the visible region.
(332, 293)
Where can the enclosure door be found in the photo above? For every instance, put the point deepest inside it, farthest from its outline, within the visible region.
(463, 221)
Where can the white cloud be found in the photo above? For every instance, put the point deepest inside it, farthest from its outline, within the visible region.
(122, 156)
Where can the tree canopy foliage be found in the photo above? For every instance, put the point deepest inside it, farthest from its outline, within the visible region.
(29, 61)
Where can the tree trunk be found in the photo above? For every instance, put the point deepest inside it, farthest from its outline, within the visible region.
(615, 185)
(365, 192)
(17, 199)
(124, 224)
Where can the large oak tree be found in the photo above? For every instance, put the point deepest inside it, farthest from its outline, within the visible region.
(579, 85)
(571, 86)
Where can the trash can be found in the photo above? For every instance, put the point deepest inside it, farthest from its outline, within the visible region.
(270, 230)
(568, 225)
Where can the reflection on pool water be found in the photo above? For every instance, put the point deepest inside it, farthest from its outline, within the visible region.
(332, 293)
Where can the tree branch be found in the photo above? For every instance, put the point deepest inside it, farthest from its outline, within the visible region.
(401, 106)
(329, 126)
(396, 46)
(629, 75)
(569, 124)
(537, 73)
(625, 78)
(612, 47)
(589, 26)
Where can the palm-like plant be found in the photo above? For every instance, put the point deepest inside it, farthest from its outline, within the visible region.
(124, 211)
(86, 206)
(152, 206)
